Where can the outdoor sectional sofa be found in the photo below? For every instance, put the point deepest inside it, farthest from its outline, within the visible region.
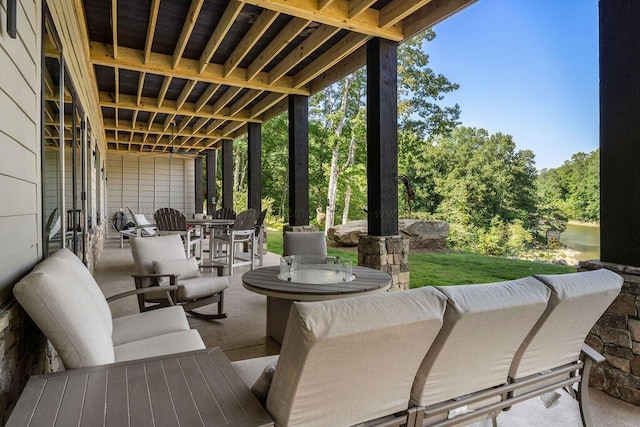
(422, 356)
(409, 358)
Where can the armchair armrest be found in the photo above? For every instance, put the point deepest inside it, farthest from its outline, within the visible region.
(591, 354)
(169, 288)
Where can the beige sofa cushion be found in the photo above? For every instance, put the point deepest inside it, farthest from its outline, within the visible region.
(251, 369)
(483, 327)
(149, 324)
(201, 287)
(185, 268)
(84, 276)
(577, 301)
(350, 360)
(66, 313)
(175, 342)
(158, 248)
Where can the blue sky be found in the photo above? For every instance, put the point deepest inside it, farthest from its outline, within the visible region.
(528, 68)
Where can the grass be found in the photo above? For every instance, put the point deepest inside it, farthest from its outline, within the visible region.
(449, 268)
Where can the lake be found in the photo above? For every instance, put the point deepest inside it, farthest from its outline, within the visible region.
(583, 238)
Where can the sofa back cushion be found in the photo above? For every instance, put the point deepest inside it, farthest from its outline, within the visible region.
(577, 301)
(305, 243)
(159, 248)
(350, 360)
(84, 276)
(483, 328)
(66, 313)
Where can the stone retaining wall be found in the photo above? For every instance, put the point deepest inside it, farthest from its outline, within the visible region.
(617, 336)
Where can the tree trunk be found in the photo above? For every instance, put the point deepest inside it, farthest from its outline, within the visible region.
(285, 187)
(335, 171)
(347, 201)
(333, 187)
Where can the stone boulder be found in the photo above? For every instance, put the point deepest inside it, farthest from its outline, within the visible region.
(422, 234)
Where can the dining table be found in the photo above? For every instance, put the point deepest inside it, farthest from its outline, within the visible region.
(210, 225)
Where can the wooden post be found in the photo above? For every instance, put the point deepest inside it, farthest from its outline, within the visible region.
(227, 174)
(382, 137)
(298, 160)
(619, 132)
(212, 191)
(254, 156)
(199, 184)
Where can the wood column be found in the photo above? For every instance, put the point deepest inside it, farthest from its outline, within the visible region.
(619, 132)
(199, 184)
(212, 190)
(382, 137)
(227, 174)
(298, 160)
(254, 156)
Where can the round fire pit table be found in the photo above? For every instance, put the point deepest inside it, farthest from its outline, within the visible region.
(281, 294)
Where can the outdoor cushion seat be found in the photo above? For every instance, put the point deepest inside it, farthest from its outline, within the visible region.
(201, 287)
(175, 342)
(139, 326)
(366, 346)
(251, 369)
(63, 299)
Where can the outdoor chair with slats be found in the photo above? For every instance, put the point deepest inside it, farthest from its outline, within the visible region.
(172, 221)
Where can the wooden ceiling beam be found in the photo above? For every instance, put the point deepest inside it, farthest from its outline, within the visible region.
(306, 48)
(429, 15)
(151, 28)
(132, 59)
(256, 31)
(156, 129)
(397, 10)
(225, 99)
(114, 27)
(324, 3)
(335, 14)
(187, 28)
(163, 90)
(140, 87)
(286, 36)
(268, 102)
(205, 97)
(128, 102)
(350, 43)
(164, 143)
(186, 91)
(228, 18)
(245, 100)
(356, 7)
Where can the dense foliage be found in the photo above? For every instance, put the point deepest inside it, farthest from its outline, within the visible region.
(573, 189)
(487, 190)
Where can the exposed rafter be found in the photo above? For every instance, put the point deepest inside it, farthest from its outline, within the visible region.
(335, 14)
(214, 55)
(133, 59)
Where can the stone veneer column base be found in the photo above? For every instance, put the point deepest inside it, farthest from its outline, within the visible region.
(617, 336)
(24, 351)
(386, 253)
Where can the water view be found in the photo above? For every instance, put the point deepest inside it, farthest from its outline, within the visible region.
(582, 238)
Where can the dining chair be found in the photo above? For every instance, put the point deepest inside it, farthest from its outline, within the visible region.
(243, 230)
(172, 221)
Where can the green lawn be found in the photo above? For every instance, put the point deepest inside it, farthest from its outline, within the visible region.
(449, 268)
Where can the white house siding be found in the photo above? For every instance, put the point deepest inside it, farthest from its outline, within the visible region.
(148, 183)
(20, 217)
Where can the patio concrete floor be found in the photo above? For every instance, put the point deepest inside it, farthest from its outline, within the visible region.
(242, 335)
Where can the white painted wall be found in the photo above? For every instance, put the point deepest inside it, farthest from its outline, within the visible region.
(20, 206)
(148, 183)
